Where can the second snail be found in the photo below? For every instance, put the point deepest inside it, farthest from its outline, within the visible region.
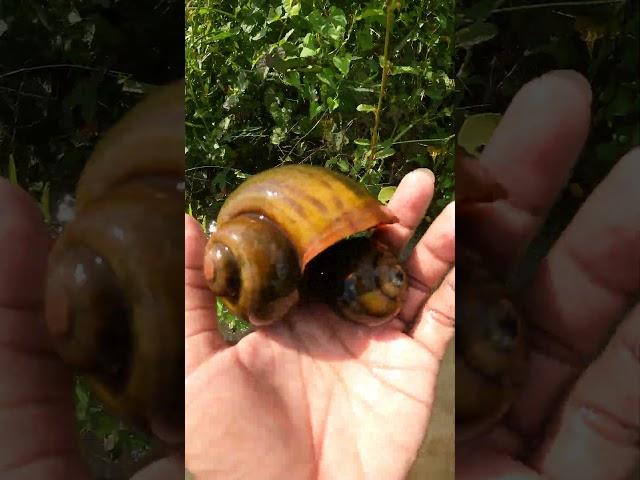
(491, 339)
(296, 233)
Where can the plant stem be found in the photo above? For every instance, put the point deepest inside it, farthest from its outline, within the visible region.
(385, 72)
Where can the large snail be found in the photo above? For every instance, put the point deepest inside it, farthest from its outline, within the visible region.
(491, 347)
(114, 301)
(286, 235)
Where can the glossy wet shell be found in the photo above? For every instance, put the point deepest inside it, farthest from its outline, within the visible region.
(148, 140)
(313, 206)
(487, 377)
(129, 212)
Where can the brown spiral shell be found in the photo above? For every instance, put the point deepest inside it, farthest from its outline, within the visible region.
(114, 302)
(274, 224)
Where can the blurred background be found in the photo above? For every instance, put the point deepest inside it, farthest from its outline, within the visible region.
(68, 71)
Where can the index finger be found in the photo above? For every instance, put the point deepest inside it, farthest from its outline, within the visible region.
(530, 154)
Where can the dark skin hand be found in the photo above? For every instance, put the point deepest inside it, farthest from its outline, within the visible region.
(37, 418)
(579, 413)
(317, 397)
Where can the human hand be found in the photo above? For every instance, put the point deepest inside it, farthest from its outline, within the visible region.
(578, 415)
(316, 396)
(38, 437)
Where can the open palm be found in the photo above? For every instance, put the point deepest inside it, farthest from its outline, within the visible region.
(578, 415)
(316, 396)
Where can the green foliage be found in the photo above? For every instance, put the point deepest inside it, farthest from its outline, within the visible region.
(118, 438)
(68, 72)
(289, 81)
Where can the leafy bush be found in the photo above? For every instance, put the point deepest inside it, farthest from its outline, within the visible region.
(288, 81)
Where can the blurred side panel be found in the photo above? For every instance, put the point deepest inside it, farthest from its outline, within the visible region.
(91, 242)
(548, 229)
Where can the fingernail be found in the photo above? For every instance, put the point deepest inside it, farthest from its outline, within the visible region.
(576, 79)
(427, 171)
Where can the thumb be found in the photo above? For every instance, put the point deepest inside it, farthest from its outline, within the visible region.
(202, 338)
(35, 387)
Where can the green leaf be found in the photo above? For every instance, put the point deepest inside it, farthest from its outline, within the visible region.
(314, 109)
(332, 103)
(343, 63)
(476, 131)
(316, 20)
(327, 76)
(278, 135)
(13, 174)
(385, 152)
(475, 34)
(291, 7)
(398, 70)
(364, 40)
(363, 142)
(371, 12)
(307, 52)
(338, 17)
(44, 203)
(386, 193)
(363, 107)
(221, 36)
(343, 165)
(292, 78)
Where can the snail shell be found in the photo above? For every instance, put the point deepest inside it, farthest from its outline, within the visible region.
(491, 337)
(491, 348)
(114, 305)
(273, 225)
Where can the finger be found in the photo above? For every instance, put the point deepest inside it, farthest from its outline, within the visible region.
(35, 387)
(202, 338)
(594, 265)
(409, 203)
(25, 244)
(530, 154)
(434, 253)
(485, 464)
(582, 288)
(436, 324)
(601, 418)
(430, 261)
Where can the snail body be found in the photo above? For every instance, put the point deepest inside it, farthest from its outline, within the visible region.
(277, 222)
(491, 337)
(113, 274)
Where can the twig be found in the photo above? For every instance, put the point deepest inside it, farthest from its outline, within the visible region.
(425, 140)
(577, 3)
(60, 65)
(303, 137)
